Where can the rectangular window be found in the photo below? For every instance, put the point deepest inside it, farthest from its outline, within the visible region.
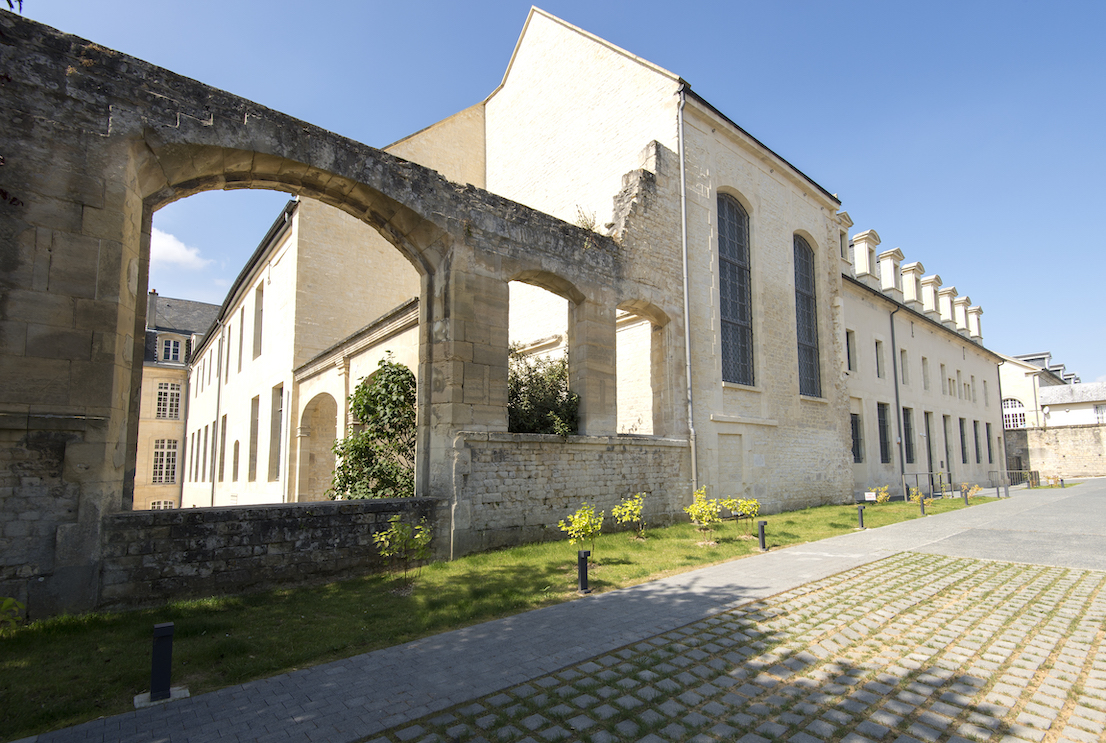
(858, 439)
(944, 380)
(214, 445)
(806, 320)
(274, 432)
(168, 400)
(203, 464)
(1100, 413)
(903, 366)
(963, 441)
(226, 376)
(929, 441)
(165, 461)
(241, 335)
(170, 350)
(908, 434)
(192, 454)
(975, 435)
(255, 412)
(222, 448)
(258, 305)
(884, 412)
(234, 468)
(850, 350)
(986, 395)
(990, 452)
(959, 385)
(735, 291)
(975, 397)
(879, 359)
(925, 373)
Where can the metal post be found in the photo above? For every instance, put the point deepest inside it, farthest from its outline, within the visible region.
(1061, 483)
(161, 665)
(1006, 490)
(998, 492)
(860, 515)
(922, 503)
(760, 528)
(582, 570)
(964, 493)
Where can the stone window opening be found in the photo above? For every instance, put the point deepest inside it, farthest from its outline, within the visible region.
(806, 318)
(168, 400)
(735, 291)
(1013, 413)
(165, 462)
(642, 395)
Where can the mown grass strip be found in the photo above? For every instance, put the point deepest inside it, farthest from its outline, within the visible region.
(66, 670)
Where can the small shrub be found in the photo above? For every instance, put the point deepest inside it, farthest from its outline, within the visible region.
(9, 613)
(742, 508)
(703, 511)
(401, 542)
(971, 491)
(583, 525)
(883, 494)
(629, 511)
(917, 497)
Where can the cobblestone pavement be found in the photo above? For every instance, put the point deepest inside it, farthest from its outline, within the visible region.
(913, 648)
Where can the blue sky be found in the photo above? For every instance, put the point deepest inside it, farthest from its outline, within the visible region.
(967, 134)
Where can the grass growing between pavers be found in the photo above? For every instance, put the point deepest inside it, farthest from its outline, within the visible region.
(66, 670)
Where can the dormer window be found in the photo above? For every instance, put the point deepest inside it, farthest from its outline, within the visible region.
(170, 350)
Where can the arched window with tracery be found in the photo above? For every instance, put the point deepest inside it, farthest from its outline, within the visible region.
(735, 292)
(806, 320)
(1013, 413)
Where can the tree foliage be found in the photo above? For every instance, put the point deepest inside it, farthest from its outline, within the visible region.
(377, 458)
(538, 398)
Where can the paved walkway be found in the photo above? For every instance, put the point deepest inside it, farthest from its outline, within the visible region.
(936, 644)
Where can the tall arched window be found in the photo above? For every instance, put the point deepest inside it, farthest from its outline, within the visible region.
(806, 320)
(735, 297)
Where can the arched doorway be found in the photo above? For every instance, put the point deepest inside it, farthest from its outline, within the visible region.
(315, 438)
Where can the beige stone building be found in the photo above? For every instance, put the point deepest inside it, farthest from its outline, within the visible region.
(172, 328)
(742, 355)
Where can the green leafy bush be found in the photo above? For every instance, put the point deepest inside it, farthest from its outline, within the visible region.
(629, 511)
(403, 543)
(743, 508)
(378, 461)
(538, 398)
(703, 511)
(583, 525)
(9, 613)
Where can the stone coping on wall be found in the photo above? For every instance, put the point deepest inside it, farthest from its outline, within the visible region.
(546, 438)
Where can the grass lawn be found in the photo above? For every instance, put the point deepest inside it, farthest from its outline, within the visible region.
(62, 671)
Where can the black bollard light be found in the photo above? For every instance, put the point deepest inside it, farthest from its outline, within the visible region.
(1061, 483)
(922, 503)
(964, 493)
(860, 515)
(582, 570)
(760, 529)
(998, 492)
(1006, 491)
(161, 665)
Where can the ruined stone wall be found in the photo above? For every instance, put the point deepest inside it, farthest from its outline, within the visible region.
(1068, 451)
(514, 488)
(151, 557)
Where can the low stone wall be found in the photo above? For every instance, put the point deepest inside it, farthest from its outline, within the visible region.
(149, 557)
(1068, 451)
(514, 488)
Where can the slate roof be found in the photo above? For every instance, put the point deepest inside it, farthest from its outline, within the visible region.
(1074, 393)
(183, 316)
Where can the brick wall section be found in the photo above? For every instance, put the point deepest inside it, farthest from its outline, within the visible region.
(156, 556)
(514, 488)
(1068, 451)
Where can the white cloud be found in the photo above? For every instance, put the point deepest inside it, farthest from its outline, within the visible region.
(166, 249)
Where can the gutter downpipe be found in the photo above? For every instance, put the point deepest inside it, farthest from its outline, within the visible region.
(687, 297)
(898, 404)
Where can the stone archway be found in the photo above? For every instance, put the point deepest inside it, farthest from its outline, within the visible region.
(315, 438)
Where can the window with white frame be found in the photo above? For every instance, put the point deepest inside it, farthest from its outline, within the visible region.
(1013, 413)
(1100, 413)
(165, 462)
(162, 505)
(168, 400)
(170, 350)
